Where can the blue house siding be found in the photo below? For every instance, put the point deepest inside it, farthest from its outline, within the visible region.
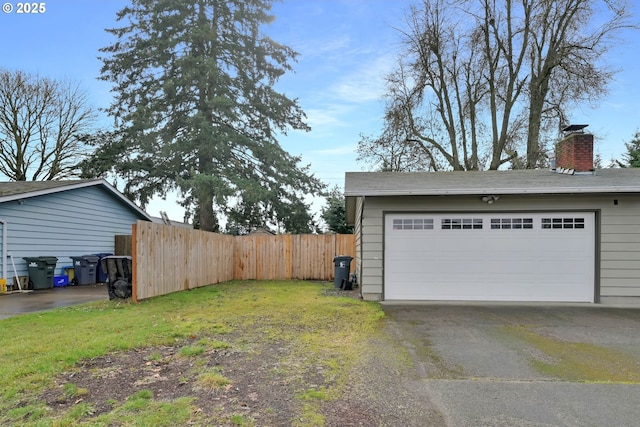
(63, 224)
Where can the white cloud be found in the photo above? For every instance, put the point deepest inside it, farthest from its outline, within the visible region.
(318, 118)
(329, 115)
(311, 49)
(335, 103)
(366, 83)
(345, 149)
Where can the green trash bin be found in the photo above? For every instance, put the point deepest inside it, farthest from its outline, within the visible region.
(41, 271)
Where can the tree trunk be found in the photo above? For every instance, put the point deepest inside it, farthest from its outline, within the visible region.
(539, 88)
(533, 134)
(208, 221)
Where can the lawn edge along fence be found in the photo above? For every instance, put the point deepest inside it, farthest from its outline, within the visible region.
(169, 259)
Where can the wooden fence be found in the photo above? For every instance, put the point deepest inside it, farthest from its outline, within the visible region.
(168, 259)
(300, 256)
(123, 245)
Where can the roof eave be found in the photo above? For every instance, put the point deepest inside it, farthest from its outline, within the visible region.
(487, 191)
(35, 193)
(74, 186)
(350, 210)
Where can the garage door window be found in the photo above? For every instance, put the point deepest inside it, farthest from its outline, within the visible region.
(562, 223)
(462, 223)
(511, 223)
(413, 224)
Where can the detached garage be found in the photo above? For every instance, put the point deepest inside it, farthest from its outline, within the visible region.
(566, 235)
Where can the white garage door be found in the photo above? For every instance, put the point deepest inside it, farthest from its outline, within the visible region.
(490, 257)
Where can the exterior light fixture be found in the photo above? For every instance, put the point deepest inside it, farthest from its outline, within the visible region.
(490, 199)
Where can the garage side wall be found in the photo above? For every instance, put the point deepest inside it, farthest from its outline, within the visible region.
(64, 224)
(357, 231)
(617, 258)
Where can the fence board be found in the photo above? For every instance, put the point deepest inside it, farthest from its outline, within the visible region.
(169, 259)
(123, 245)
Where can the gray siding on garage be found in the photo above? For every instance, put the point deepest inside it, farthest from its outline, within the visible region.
(617, 234)
(63, 224)
(372, 253)
(357, 230)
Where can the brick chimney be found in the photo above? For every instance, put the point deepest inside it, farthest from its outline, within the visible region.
(575, 152)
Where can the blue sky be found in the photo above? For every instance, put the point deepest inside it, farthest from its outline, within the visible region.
(345, 47)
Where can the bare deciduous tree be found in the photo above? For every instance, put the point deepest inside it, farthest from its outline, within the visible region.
(569, 39)
(479, 79)
(42, 125)
(395, 149)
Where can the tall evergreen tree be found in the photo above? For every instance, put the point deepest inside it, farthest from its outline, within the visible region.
(631, 159)
(197, 111)
(335, 214)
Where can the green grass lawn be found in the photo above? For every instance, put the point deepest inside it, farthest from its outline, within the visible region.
(321, 328)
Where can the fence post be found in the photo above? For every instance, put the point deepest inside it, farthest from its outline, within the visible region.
(134, 263)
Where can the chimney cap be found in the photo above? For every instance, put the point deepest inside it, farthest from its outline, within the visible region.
(574, 128)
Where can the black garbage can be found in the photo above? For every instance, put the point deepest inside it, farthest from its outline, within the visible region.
(101, 274)
(41, 271)
(342, 267)
(119, 275)
(84, 269)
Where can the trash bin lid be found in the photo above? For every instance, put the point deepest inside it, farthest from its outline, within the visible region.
(118, 257)
(45, 259)
(88, 258)
(103, 254)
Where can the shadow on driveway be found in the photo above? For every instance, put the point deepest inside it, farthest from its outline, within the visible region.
(12, 304)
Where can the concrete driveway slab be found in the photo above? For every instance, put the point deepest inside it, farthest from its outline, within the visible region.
(533, 403)
(500, 365)
(12, 304)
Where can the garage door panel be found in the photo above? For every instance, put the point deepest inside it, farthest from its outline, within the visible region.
(494, 258)
(496, 291)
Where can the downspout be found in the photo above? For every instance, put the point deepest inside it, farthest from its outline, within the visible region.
(4, 249)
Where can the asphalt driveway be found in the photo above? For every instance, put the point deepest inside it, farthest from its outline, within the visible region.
(12, 304)
(533, 365)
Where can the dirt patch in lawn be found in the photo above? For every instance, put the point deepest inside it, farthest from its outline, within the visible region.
(253, 389)
(238, 379)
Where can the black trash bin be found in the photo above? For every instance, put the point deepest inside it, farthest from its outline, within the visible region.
(84, 269)
(41, 271)
(101, 274)
(342, 267)
(119, 275)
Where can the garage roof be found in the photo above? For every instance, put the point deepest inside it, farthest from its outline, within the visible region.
(539, 181)
(624, 180)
